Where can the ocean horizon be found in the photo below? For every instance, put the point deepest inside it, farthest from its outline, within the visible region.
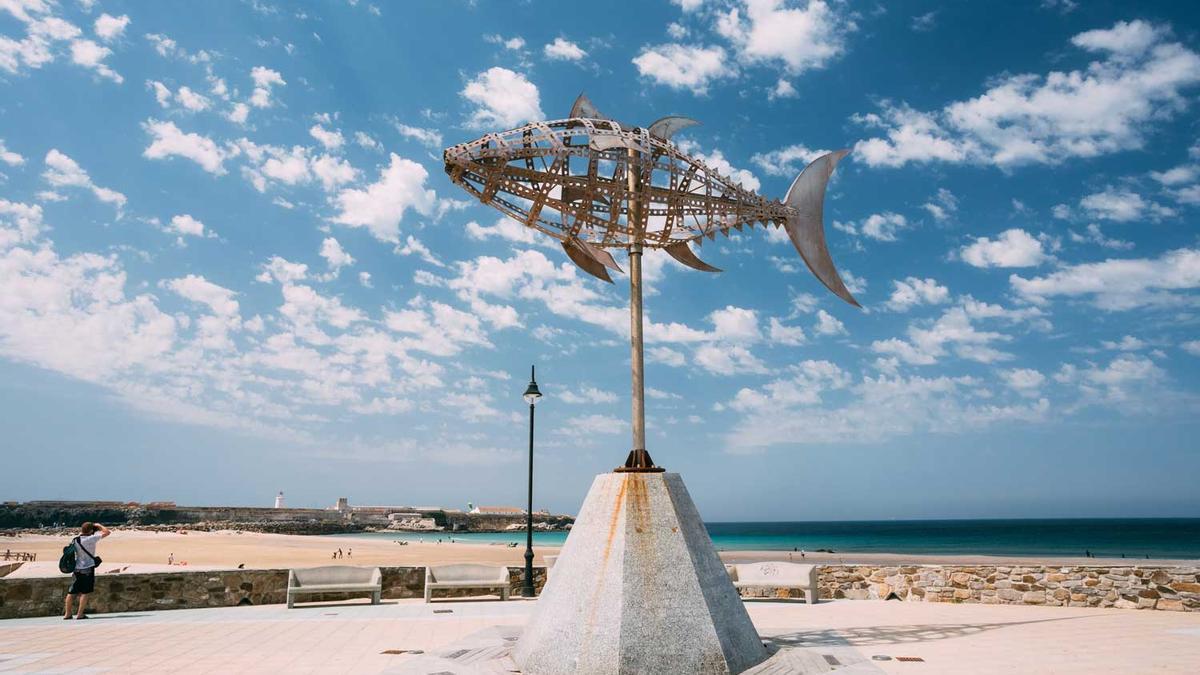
(1134, 538)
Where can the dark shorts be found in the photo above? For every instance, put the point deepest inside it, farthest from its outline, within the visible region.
(83, 583)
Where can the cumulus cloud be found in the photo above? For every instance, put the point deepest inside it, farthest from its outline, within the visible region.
(265, 81)
(827, 324)
(335, 256)
(943, 206)
(507, 229)
(587, 395)
(797, 38)
(91, 55)
(787, 161)
(1122, 205)
(1138, 79)
(109, 27)
(1118, 284)
(185, 225)
(430, 138)
(564, 50)
(169, 141)
(1094, 235)
(1013, 248)
(879, 226)
(62, 171)
(912, 292)
(686, 67)
(332, 139)
(9, 157)
(502, 98)
(380, 206)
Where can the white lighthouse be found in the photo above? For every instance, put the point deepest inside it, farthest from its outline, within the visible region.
(279, 500)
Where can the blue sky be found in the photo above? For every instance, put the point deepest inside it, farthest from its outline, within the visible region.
(231, 263)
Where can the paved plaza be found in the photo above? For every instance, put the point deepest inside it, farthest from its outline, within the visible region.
(409, 636)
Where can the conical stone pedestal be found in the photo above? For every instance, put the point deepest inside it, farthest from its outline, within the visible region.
(638, 588)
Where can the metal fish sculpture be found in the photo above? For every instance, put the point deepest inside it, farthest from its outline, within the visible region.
(593, 184)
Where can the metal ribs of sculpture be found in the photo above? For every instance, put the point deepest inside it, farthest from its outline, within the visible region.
(594, 184)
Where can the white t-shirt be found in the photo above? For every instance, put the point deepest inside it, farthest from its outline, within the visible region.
(84, 561)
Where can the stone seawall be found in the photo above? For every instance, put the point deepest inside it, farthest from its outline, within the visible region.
(43, 596)
(1166, 588)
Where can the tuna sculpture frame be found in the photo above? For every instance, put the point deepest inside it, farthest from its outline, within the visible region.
(595, 184)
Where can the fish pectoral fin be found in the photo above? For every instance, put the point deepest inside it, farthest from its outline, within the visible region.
(666, 127)
(583, 107)
(683, 253)
(590, 259)
(806, 228)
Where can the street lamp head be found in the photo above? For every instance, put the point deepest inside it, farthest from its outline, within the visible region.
(532, 394)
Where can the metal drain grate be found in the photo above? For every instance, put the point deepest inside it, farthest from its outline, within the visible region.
(910, 658)
(443, 611)
(456, 654)
(831, 659)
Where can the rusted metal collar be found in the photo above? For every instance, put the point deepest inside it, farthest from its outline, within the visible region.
(639, 462)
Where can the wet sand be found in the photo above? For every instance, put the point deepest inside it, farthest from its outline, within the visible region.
(134, 551)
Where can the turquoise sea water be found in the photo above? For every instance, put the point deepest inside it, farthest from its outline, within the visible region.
(1135, 538)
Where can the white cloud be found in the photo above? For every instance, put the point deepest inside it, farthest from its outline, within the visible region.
(687, 67)
(109, 27)
(335, 256)
(782, 89)
(169, 141)
(1122, 205)
(878, 226)
(1127, 343)
(827, 324)
(1191, 346)
(332, 171)
(185, 225)
(364, 279)
(238, 114)
(726, 359)
(331, 139)
(587, 395)
(282, 271)
(265, 80)
(190, 99)
(666, 356)
(62, 171)
(912, 292)
(91, 55)
(564, 50)
(380, 206)
(161, 93)
(9, 157)
(413, 246)
(688, 5)
(1024, 380)
(799, 38)
(1118, 284)
(735, 324)
(717, 162)
(943, 206)
(1013, 248)
(505, 228)
(787, 161)
(430, 138)
(930, 340)
(1093, 235)
(1108, 107)
(365, 140)
(502, 98)
(791, 336)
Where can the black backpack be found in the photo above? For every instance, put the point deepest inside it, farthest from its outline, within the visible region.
(66, 564)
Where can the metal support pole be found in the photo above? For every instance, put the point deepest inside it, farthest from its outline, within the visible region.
(635, 344)
(527, 587)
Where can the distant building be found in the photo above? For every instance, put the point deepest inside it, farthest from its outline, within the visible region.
(279, 500)
(343, 505)
(498, 510)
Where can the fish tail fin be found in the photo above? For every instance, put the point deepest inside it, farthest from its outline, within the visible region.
(806, 228)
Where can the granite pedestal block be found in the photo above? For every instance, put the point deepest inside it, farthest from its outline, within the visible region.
(638, 588)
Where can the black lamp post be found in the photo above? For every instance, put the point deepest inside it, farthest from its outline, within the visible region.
(531, 396)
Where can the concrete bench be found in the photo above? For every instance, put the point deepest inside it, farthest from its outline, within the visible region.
(776, 575)
(466, 576)
(334, 579)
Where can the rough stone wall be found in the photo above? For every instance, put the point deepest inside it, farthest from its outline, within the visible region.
(1166, 588)
(43, 596)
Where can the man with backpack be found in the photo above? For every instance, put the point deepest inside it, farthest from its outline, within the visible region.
(83, 550)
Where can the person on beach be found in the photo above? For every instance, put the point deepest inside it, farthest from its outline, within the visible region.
(84, 578)
(349, 553)
(171, 559)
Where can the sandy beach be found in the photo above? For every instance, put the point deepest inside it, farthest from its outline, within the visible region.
(134, 551)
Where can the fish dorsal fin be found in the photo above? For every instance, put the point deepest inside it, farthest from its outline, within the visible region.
(583, 107)
(666, 127)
